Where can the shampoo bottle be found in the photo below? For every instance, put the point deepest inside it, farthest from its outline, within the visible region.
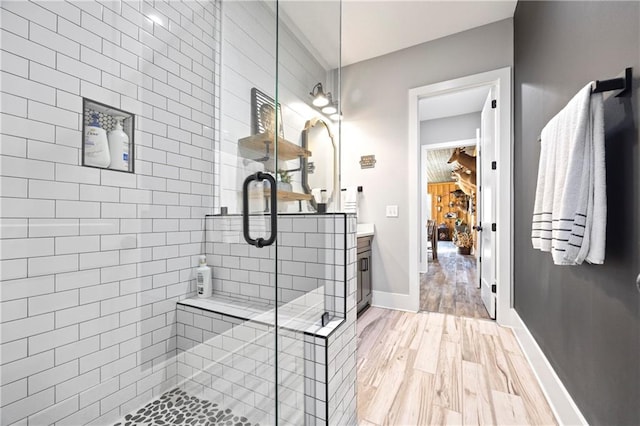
(119, 147)
(203, 278)
(96, 148)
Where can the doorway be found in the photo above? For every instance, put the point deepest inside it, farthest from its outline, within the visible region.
(451, 127)
(450, 282)
(498, 281)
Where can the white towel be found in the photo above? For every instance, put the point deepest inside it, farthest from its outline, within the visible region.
(350, 199)
(569, 218)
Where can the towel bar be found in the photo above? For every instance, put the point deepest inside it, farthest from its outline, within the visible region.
(621, 83)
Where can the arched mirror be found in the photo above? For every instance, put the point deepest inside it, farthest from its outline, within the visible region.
(319, 169)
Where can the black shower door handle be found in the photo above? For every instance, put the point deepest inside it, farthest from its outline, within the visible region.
(259, 177)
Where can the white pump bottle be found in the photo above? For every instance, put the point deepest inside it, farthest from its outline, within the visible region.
(203, 278)
(119, 147)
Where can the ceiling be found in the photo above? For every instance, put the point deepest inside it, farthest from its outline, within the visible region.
(451, 104)
(437, 168)
(375, 28)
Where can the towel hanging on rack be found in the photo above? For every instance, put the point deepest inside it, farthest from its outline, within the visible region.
(350, 199)
(570, 210)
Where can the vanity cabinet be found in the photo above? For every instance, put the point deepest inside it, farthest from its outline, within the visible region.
(364, 273)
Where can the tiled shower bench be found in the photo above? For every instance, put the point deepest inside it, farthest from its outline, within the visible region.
(227, 352)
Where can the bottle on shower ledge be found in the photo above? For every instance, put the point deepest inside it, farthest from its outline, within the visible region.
(203, 278)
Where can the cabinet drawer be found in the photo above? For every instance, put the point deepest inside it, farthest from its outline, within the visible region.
(364, 243)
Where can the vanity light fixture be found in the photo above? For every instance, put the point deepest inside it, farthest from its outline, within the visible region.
(331, 107)
(319, 98)
(325, 103)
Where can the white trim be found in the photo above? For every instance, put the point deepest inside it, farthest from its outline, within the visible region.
(397, 301)
(563, 406)
(502, 81)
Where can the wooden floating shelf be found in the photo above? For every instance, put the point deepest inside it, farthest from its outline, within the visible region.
(285, 195)
(286, 150)
(290, 196)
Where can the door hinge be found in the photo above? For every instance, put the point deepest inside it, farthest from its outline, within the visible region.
(494, 103)
(480, 259)
(493, 227)
(493, 288)
(494, 165)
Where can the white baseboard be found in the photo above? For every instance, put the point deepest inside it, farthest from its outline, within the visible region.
(563, 406)
(397, 301)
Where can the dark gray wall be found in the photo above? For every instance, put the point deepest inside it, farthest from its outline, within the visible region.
(586, 318)
(448, 129)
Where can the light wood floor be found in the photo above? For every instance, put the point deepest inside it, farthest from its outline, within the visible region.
(433, 369)
(450, 285)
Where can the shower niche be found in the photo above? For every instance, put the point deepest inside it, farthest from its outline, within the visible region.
(107, 137)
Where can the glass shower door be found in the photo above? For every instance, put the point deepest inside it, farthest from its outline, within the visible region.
(272, 254)
(239, 367)
(307, 249)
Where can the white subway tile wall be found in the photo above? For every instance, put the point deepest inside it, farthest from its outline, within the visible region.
(93, 261)
(311, 261)
(317, 372)
(229, 360)
(226, 347)
(342, 345)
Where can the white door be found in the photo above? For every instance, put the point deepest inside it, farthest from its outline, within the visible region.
(487, 208)
(478, 244)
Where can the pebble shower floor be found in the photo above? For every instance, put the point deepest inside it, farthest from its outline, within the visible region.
(176, 407)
